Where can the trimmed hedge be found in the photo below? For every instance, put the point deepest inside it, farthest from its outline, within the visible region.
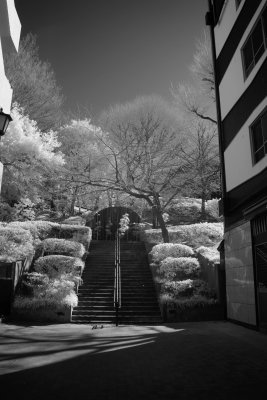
(210, 254)
(81, 234)
(57, 265)
(195, 235)
(15, 244)
(188, 210)
(40, 230)
(38, 291)
(162, 251)
(61, 246)
(76, 220)
(179, 268)
(46, 229)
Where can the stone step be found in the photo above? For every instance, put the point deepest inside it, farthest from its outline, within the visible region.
(98, 317)
(138, 290)
(97, 306)
(96, 291)
(126, 299)
(102, 282)
(93, 312)
(96, 294)
(80, 319)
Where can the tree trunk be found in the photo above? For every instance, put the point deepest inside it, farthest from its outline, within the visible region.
(154, 217)
(164, 230)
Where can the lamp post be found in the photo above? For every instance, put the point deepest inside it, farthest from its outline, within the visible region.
(4, 122)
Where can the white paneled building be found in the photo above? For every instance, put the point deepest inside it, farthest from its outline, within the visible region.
(10, 28)
(239, 35)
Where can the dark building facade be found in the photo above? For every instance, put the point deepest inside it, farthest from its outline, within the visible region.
(239, 37)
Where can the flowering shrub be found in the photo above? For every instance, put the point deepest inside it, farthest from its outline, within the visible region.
(61, 246)
(15, 244)
(57, 265)
(162, 251)
(195, 235)
(211, 254)
(42, 292)
(26, 140)
(179, 268)
(124, 223)
(187, 288)
(165, 217)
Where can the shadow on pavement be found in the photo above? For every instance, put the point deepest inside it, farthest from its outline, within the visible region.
(182, 361)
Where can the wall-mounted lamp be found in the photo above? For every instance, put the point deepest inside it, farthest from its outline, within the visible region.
(4, 122)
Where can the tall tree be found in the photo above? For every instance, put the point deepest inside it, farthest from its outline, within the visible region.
(142, 147)
(201, 161)
(29, 157)
(198, 99)
(34, 85)
(80, 146)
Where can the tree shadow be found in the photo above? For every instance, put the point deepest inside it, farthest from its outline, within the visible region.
(181, 362)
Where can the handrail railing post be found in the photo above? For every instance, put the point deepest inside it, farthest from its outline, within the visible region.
(117, 277)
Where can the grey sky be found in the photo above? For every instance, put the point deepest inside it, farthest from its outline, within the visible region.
(109, 51)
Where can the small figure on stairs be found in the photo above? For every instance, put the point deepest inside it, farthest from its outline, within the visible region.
(108, 229)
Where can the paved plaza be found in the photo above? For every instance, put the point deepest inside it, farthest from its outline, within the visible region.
(197, 360)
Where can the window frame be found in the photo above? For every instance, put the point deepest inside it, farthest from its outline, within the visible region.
(253, 152)
(249, 39)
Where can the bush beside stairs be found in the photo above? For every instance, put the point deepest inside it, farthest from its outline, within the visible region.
(138, 294)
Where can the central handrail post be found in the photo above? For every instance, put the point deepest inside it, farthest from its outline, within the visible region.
(117, 277)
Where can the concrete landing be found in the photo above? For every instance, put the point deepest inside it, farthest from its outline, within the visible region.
(197, 360)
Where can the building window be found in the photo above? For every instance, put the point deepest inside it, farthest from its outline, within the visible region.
(259, 137)
(237, 3)
(255, 44)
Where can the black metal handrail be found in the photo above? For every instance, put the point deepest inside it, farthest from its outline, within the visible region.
(117, 277)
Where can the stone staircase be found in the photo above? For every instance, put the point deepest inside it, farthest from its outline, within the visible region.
(138, 296)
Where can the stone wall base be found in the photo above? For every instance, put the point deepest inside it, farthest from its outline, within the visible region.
(173, 313)
(57, 315)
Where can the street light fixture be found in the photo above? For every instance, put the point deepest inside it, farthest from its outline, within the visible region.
(4, 122)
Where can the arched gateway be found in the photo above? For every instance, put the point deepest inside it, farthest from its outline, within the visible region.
(106, 222)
